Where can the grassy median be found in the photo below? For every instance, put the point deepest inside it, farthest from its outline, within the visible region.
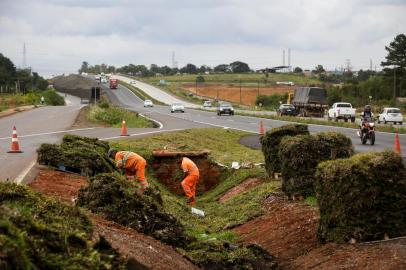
(109, 115)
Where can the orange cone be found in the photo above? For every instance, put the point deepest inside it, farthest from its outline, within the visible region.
(124, 129)
(15, 148)
(261, 128)
(397, 143)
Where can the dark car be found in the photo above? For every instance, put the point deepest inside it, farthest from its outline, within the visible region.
(225, 108)
(286, 109)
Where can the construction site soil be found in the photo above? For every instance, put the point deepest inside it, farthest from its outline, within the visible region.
(232, 92)
(147, 252)
(287, 230)
(167, 169)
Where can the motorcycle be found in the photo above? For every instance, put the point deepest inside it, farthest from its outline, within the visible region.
(367, 131)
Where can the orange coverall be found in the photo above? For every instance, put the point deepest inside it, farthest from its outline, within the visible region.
(133, 164)
(190, 181)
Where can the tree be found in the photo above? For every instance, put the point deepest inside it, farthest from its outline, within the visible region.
(200, 79)
(189, 68)
(396, 52)
(298, 70)
(239, 67)
(84, 67)
(7, 71)
(222, 68)
(319, 69)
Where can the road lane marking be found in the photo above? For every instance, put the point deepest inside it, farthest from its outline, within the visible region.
(159, 123)
(22, 175)
(49, 133)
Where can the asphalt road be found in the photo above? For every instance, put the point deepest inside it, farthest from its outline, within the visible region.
(45, 124)
(157, 93)
(49, 124)
(245, 123)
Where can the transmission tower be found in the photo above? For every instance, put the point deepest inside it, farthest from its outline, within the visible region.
(174, 63)
(348, 64)
(24, 57)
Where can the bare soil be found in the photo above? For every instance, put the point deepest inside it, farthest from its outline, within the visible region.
(169, 173)
(243, 187)
(232, 92)
(145, 250)
(59, 185)
(288, 231)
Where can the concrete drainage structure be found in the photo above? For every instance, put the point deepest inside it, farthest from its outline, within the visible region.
(168, 171)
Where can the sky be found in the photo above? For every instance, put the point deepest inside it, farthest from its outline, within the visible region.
(60, 34)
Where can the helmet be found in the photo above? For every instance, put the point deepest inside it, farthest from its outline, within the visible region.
(367, 108)
(112, 152)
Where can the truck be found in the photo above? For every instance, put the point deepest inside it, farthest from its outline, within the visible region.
(341, 110)
(310, 101)
(113, 83)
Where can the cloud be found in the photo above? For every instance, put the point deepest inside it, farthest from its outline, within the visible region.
(62, 33)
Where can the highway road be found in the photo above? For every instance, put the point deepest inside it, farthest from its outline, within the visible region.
(157, 93)
(49, 124)
(245, 123)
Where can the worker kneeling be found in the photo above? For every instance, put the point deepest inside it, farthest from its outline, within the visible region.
(192, 177)
(132, 165)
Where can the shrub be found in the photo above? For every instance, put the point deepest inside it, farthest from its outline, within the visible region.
(216, 255)
(270, 145)
(40, 233)
(271, 101)
(87, 156)
(116, 199)
(363, 197)
(52, 98)
(300, 155)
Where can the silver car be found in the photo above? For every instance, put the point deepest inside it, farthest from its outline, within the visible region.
(148, 103)
(177, 107)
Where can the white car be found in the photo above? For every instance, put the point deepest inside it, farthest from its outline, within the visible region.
(390, 115)
(207, 104)
(177, 107)
(341, 110)
(148, 103)
(133, 82)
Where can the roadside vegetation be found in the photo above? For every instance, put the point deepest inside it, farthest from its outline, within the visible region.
(42, 233)
(9, 101)
(106, 114)
(164, 215)
(222, 144)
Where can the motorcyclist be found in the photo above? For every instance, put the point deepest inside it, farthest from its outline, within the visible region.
(366, 116)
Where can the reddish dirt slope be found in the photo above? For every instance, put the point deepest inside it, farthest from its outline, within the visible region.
(144, 249)
(288, 231)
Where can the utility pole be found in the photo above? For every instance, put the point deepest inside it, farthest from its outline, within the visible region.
(394, 83)
(240, 89)
(24, 56)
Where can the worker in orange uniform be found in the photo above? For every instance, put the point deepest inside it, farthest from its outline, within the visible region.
(192, 177)
(132, 165)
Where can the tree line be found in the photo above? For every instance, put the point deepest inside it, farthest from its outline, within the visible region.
(153, 70)
(19, 80)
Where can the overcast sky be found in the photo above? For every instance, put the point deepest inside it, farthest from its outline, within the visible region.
(60, 34)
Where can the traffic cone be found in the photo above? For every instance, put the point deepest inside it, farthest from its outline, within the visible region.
(15, 148)
(261, 128)
(397, 143)
(124, 129)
